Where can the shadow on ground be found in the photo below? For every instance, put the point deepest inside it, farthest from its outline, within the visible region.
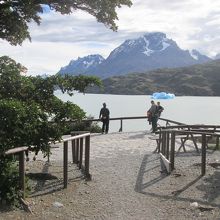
(178, 185)
(50, 178)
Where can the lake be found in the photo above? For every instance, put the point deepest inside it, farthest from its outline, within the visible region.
(185, 109)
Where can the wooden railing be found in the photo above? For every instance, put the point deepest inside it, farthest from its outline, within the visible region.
(80, 144)
(78, 150)
(121, 119)
(20, 151)
(167, 140)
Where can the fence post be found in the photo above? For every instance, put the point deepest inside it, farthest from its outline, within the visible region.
(217, 143)
(77, 151)
(74, 151)
(80, 153)
(160, 140)
(87, 155)
(65, 163)
(120, 129)
(164, 142)
(203, 165)
(73, 148)
(167, 144)
(22, 172)
(172, 150)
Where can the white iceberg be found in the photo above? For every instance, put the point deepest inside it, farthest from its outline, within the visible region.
(162, 95)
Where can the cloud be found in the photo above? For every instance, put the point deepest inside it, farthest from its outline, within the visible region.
(193, 24)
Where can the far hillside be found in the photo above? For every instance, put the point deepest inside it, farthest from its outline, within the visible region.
(196, 80)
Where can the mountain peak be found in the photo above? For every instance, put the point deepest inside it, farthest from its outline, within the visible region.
(195, 54)
(82, 64)
(148, 44)
(150, 51)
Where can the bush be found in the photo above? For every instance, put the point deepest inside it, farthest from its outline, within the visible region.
(9, 179)
(27, 105)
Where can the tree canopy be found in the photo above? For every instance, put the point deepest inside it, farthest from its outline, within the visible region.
(28, 104)
(16, 14)
(31, 115)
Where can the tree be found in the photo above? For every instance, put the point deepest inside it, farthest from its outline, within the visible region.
(27, 107)
(16, 14)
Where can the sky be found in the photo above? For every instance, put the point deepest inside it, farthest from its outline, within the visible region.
(193, 24)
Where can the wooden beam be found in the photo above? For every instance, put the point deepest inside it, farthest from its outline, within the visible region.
(165, 164)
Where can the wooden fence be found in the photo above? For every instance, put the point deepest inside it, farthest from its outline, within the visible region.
(167, 140)
(121, 119)
(80, 144)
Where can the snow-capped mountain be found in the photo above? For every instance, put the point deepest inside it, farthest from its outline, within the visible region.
(150, 51)
(82, 65)
(198, 56)
(217, 56)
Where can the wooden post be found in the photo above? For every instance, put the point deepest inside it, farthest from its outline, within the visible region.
(87, 155)
(167, 144)
(159, 141)
(65, 163)
(73, 151)
(203, 164)
(164, 143)
(172, 150)
(120, 129)
(22, 173)
(80, 153)
(217, 143)
(77, 151)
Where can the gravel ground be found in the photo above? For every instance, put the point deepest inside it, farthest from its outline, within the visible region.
(127, 183)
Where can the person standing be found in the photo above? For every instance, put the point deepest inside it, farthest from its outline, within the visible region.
(152, 111)
(104, 116)
(159, 109)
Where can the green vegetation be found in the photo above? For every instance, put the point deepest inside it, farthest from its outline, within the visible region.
(16, 15)
(197, 80)
(27, 105)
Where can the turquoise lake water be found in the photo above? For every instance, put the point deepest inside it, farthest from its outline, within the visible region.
(186, 109)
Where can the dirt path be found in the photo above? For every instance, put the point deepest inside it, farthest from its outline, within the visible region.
(126, 184)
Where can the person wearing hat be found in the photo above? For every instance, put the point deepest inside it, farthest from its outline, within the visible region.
(104, 116)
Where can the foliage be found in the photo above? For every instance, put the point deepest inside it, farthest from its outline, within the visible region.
(27, 105)
(15, 15)
(197, 80)
(9, 179)
(90, 126)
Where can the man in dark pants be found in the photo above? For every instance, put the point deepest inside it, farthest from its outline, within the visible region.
(104, 116)
(153, 111)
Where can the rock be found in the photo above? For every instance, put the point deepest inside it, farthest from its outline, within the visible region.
(194, 204)
(58, 205)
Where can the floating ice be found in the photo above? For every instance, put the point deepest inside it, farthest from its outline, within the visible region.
(162, 95)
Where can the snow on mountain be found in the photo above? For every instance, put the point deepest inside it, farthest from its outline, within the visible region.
(151, 51)
(82, 65)
(217, 56)
(193, 55)
(198, 56)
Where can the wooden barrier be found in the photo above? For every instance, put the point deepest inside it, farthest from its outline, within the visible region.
(20, 151)
(168, 122)
(168, 137)
(78, 149)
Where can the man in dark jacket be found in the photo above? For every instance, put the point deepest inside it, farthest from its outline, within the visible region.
(152, 111)
(159, 109)
(104, 116)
